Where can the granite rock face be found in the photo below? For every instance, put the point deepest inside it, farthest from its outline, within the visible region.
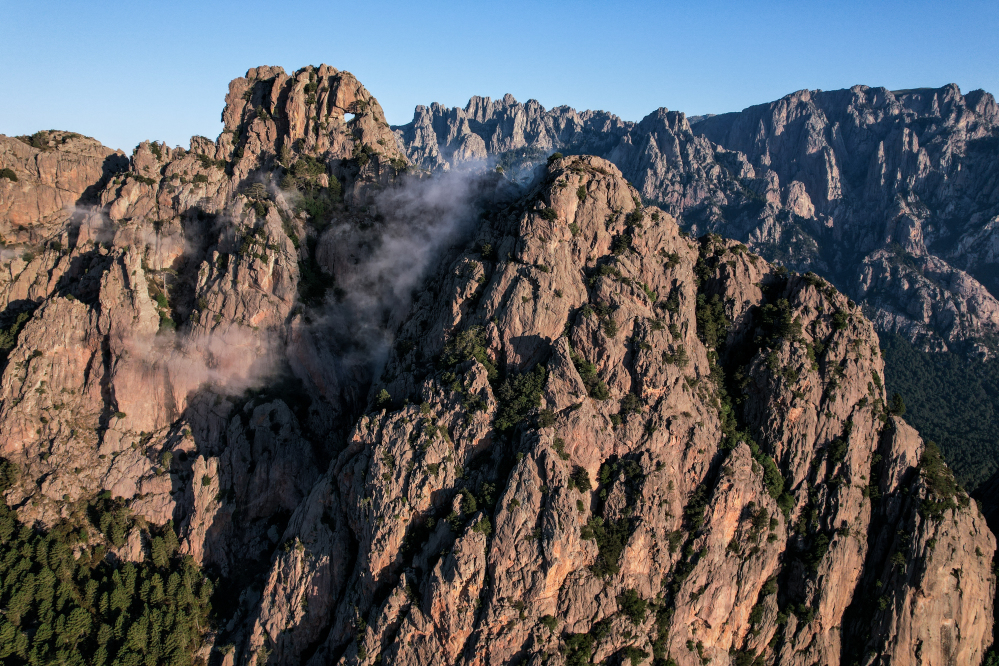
(637, 516)
(52, 173)
(471, 418)
(159, 287)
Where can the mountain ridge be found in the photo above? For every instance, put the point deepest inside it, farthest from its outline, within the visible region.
(892, 197)
(392, 416)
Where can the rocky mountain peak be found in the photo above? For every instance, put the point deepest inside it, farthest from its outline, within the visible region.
(470, 417)
(317, 111)
(45, 176)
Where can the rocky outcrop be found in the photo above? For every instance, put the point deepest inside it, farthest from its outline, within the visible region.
(632, 512)
(415, 419)
(143, 283)
(920, 560)
(45, 176)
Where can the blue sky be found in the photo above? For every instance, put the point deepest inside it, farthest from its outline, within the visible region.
(130, 71)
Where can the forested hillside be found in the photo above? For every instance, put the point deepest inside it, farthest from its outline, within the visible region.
(67, 600)
(950, 399)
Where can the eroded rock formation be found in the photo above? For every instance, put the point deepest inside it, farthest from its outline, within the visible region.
(412, 420)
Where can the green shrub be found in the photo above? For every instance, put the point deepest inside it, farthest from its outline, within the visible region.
(8, 174)
(630, 404)
(813, 556)
(772, 478)
(484, 526)
(786, 504)
(677, 357)
(581, 193)
(518, 395)
(611, 537)
(609, 326)
(9, 475)
(318, 206)
(307, 168)
(549, 214)
(840, 320)
(635, 218)
(209, 163)
(549, 622)
(940, 483)
(632, 606)
(199, 178)
(467, 345)
(469, 504)
(712, 323)
(555, 156)
(578, 649)
(581, 480)
(595, 387)
(779, 322)
(8, 336)
(64, 603)
(621, 244)
(634, 654)
(694, 511)
(837, 451)
(674, 539)
(40, 140)
(559, 445)
(383, 399)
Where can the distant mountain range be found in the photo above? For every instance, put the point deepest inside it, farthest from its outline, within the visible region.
(502, 386)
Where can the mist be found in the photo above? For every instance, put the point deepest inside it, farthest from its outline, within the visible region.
(378, 269)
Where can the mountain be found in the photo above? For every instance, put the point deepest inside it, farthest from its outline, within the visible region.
(892, 196)
(286, 397)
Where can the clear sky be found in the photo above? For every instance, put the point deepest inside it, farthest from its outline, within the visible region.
(127, 71)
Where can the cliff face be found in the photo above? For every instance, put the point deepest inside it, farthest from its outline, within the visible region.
(175, 291)
(48, 174)
(891, 195)
(902, 194)
(632, 512)
(420, 420)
